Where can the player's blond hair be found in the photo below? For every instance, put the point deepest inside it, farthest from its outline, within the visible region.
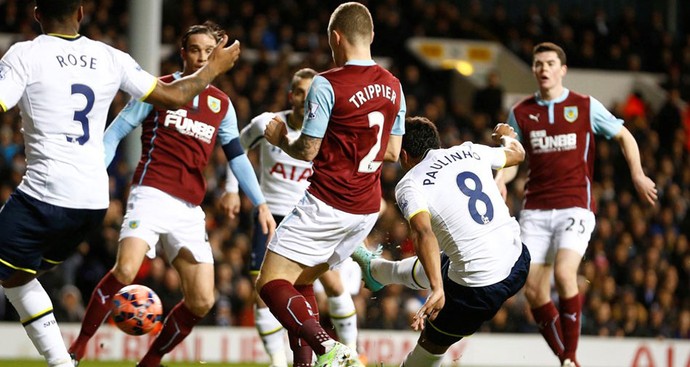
(354, 21)
(305, 73)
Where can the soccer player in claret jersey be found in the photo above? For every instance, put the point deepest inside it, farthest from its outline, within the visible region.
(557, 219)
(167, 189)
(283, 182)
(64, 83)
(354, 116)
(452, 202)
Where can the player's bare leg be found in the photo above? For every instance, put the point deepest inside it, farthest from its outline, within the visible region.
(538, 294)
(570, 307)
(198, 289)
(130, 254)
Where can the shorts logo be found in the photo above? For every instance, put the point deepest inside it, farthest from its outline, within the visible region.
(4, 68)
(133, 224)
(213, 104)
(313, 107)
(570, 113)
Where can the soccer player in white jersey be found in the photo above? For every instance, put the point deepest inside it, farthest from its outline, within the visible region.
(64, 84)
(283, 182)
(451, 201)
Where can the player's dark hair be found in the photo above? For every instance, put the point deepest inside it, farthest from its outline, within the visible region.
(550, 46)
(420, 136)
(210, 28)
(354, 21)
(57, 9)
(305, 73)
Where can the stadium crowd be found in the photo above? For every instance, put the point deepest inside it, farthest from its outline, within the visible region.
(635, 277)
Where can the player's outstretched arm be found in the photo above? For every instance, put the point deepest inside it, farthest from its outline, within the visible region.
(176, 94)
(646, 188)
(426, 246)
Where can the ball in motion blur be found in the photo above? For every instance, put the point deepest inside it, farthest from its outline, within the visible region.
(136, 309)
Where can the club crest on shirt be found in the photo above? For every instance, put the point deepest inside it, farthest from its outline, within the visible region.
(4, 68)
(133, 224)
(313, 107)
(570, 113)
(213, 104)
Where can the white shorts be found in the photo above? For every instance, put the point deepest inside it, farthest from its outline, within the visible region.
(544, 232)
(350, 275)
(154, 215)
(316, 233)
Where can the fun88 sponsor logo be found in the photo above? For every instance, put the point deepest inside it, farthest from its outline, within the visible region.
(543, 143)
(187, 126)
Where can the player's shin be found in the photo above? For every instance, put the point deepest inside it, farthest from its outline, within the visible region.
(271, 333)
(97, 311)
(36, 313)
(420, 357)
(176, 327)
(344, 319)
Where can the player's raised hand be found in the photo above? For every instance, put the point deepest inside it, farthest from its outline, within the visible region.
(223, 58)
(275, 131)
(502, 130)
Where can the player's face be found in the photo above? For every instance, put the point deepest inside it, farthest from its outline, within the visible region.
(298, 95)
(548, 70)
(195, 55)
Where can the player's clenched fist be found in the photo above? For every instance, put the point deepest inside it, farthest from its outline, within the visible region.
(275, 131)
(502, 130)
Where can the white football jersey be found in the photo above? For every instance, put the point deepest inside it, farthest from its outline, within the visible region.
(64, 88)
(283, 178)
(469, 217)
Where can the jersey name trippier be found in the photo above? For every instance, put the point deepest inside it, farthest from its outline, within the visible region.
(176, 144)
(457, 188)
(362, 105)
(64, 88)
(558, 137)
(283, 178)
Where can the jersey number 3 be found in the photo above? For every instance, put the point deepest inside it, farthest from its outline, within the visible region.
(367, 164)
(475, 194)
(80, 116)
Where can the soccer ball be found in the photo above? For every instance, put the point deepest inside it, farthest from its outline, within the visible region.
(136, 309)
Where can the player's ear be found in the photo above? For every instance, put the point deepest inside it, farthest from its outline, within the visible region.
(37, 14)
(80, 14)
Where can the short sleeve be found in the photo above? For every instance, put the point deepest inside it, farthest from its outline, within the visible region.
(603, 122)
(135, 80)
(13, 77)
(409, 198)
(228, 126)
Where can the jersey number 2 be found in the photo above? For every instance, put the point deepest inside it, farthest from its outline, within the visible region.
(81, 115)
(475, 194)
(367, 164)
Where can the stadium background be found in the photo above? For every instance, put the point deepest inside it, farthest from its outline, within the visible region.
(635, 277)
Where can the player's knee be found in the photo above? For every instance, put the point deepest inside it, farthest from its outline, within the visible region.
(201, 304)
(125, 273)
(565, 278)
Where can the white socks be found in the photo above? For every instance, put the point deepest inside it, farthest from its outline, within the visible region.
(408, 272)
(272, 336)
(344, 318)
(36, 314)
(420, 357)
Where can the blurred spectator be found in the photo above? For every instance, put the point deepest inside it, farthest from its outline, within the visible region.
(489, 99)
